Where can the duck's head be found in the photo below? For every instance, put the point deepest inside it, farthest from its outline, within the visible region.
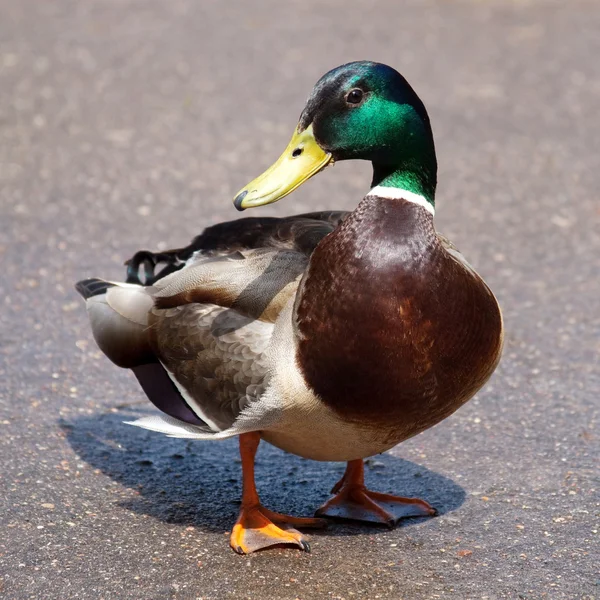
(361, 110)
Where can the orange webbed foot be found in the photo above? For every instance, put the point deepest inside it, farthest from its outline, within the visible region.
(353, 501)
(255, 530)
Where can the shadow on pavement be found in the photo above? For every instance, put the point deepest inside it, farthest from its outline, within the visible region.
(198, 483)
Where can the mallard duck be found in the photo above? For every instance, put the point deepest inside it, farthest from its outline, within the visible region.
(331, 335)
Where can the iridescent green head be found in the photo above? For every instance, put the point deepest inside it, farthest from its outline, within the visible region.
(361, 110)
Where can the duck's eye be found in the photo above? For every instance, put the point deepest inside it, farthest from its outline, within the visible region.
(354, 96)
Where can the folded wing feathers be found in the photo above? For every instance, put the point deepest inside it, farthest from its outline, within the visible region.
(120, 312)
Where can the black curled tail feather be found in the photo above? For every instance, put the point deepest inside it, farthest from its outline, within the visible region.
(93, 287)
(146, 262)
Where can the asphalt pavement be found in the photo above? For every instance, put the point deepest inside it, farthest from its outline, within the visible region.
(130, 124)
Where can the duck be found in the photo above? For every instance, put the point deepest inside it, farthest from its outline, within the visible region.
(331, 335)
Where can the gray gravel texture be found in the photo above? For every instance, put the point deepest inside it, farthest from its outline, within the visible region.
(130, 124)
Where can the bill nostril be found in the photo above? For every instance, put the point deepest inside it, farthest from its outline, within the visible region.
(297, 152)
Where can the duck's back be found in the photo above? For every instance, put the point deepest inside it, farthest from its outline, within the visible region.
(300, 233)
(195, 338)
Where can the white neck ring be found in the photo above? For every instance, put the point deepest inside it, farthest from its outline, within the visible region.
(399, 194)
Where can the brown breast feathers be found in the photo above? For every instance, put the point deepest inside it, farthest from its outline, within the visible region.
(393, 331)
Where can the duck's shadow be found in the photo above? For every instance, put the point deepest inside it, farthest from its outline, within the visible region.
(198, 483)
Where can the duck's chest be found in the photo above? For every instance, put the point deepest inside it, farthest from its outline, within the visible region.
(393, 332)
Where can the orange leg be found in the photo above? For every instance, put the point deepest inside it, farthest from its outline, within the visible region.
(255, 528)
(353, 501)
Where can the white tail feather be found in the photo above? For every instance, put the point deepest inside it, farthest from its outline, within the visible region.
(176, 428)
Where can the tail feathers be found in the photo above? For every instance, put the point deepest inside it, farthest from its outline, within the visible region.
(176, 428)
(118, 315)
(93, 287)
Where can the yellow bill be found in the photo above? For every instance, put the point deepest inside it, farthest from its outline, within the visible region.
(302, 159)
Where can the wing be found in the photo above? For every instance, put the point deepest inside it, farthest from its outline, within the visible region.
(301, 233)
(211, 324)
(215, 356)
(254, 283)
(213, 308)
